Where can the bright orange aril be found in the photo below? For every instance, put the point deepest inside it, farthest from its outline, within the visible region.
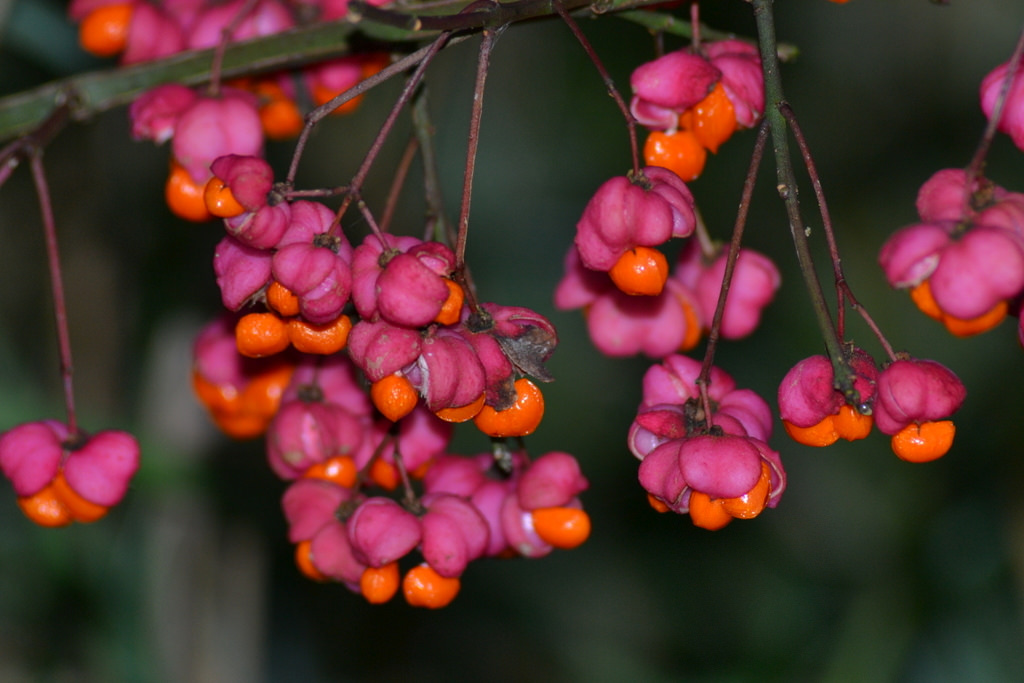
(281, 119)
(754, 501)
(822, 434)
(304, 561)
(714, 119)
(522, 418)
(680, 152)
(319, 339)
(45, 508)
(394, 396)
(184, 195)
(424, 587)
(561, 527)
(708, 513)
(462, 413)
(384, 474)
(104, 31)
(640, 271)
(451, 311)
(80, 509)
(923, 442)
(850, 424)
(339, 469)
(379, 584)
(282, 300)
(219, 199)
(983, 323)
(261, 334)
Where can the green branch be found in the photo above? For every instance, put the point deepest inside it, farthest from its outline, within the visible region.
(775, 100)
(88, 94)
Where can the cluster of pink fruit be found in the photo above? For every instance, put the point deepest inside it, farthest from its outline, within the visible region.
(62, 475)
(354, 360)
(615, 271)
(693, 100)
(909, 400)
(203, 124)
(617, 275)
(706, 458)
(964, 262)
(343, 460)
(430, 357)
(468, 509)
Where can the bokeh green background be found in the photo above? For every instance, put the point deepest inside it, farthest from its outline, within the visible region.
(870, 569)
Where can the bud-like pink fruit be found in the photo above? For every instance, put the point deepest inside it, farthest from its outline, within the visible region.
(154, 114)
(304, 433)
(313, 262)
(742, 77)
(212, 127)
(31, 453)
(666, 86)
(402, 282)
(309, 504)
(674, 380)
(249, 178)
(725, 466)
(912, 254)
(380, 348)
(454, 533)
(552, 480)
(807, 393)
(625, 212)
(976, 272)
(241, 271)
(382, 531)
(152, 34)
(755, 280)
(101, 469)
(915, 390)
(448, 373)
(263, 18)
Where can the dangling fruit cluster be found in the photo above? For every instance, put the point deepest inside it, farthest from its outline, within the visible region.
(716, 466)
(694, 99)
(355, 363)
(964, 263)
(62, 476)
(655, 311)
(469, 508)
(910, 400)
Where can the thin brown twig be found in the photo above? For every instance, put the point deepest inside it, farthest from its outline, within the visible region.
(355, 187)
(490, 37)
(385, 74)
(437, 227)
(974, 168)
(226, 36)
(476, 116)
(844, 294)
(398, 182)
(57, 285)
(704, 378)
(606, 77)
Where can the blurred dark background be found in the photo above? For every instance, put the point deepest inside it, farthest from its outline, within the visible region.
(870, 569)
